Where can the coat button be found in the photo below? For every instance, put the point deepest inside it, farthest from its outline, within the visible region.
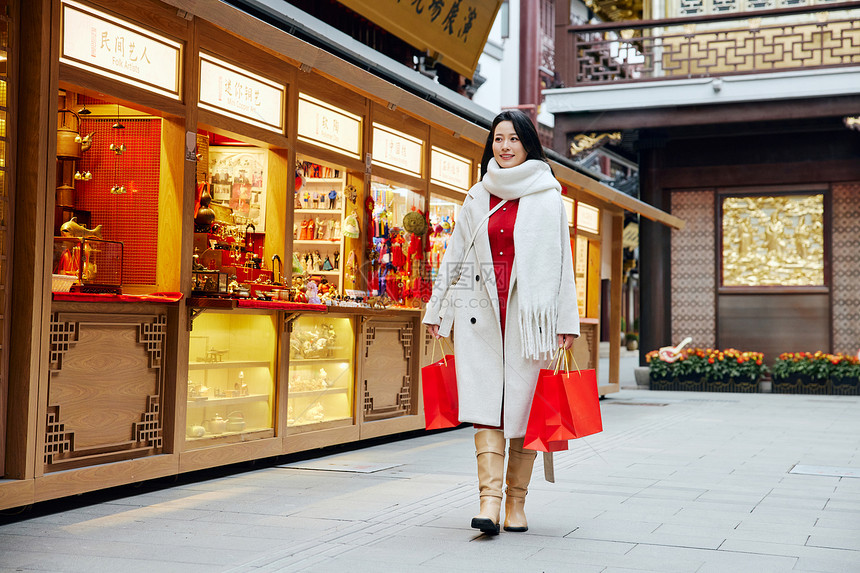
(477, 277)
(472, 320)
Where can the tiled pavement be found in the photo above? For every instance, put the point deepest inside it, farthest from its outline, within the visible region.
(686, 482)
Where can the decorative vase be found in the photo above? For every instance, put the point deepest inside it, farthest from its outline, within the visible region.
(205, 215)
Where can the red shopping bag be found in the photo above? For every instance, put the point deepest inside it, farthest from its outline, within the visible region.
(584, 401)
(565, 406)
(439, 383)
(550, 424)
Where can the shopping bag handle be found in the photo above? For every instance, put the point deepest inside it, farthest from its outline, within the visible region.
(438, 342)
(555, 361)
(563, 354)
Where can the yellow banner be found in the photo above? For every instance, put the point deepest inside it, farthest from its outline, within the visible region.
(454, 30)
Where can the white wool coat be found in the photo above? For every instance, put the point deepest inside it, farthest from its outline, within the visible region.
(491, 374)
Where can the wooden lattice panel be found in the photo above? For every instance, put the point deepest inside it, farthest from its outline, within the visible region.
(151, 335)
(148, 431)
(694, 277)
(63, 335)
(57, 440)
(714, 49)
(389, 383)
(105, 388)
(846, 268)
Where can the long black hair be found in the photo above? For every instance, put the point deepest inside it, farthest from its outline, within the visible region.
(525, 131)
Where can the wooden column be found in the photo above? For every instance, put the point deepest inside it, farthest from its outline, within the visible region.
(176, 381)
(655, 318)
(617, 261)
(36, 140)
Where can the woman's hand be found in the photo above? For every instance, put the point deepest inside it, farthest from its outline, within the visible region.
(433, 329)
(565, 341)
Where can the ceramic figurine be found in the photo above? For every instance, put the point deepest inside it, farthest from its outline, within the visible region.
(313, 298)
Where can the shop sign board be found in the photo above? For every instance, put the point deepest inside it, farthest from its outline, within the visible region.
(229, 90)
(587, 218)
(450, 170)
(111, 47)
(328, 126)
(396, 150)
(568, 208)
(452, 31)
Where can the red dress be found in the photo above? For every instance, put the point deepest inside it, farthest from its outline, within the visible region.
(501, 231)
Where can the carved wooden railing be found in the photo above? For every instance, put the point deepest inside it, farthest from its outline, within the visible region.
(823, 36)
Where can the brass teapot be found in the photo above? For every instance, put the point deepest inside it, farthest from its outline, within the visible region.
(68, 135)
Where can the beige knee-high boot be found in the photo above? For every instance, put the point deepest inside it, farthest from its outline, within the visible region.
(490, 451)
(520, 463)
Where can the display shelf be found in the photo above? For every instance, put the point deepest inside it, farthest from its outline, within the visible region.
(313, 218)
(302, 393)
(206, 401)
(246, 434)
(295, 424)
(229, 364)
(323, 179)
(322, 386)
(241, 385)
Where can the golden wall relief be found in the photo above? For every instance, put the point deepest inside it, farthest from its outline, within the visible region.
(773, 240)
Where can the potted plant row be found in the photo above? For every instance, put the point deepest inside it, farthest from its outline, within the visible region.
(816, 373)
(707, 370)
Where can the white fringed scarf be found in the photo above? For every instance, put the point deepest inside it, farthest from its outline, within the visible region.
(537, 248)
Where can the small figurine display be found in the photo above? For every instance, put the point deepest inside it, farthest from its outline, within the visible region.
(312, 296)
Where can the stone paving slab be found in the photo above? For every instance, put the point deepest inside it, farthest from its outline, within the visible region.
(700, 484)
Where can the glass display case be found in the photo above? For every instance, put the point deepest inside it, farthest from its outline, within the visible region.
(232, 368)
(442, 218)
(322, 370)
(398, 265)
(319, 220)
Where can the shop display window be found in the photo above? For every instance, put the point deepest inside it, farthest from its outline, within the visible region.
(320, 222)
(398, 267)
(322, 370)
(443, 216)
(229, 220)
(110, 186)
(231, 376)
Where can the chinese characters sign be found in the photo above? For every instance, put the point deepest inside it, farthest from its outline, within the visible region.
(328, 126)
(111, 47)
(397, 150)
(587, 218)
(456, 30)
(237, 93)
(450, 170)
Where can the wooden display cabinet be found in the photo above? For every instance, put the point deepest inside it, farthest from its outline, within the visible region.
(318, 224)
(321, 372)
(232, 368)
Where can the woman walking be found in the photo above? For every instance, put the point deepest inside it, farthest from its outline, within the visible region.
(506, 287)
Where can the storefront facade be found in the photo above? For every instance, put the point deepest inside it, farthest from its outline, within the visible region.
(189, 182)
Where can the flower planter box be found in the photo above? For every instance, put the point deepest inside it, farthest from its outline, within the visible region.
(733, 385)
(681, 385)
(692, 384)
(845, 386)
(664, 384)
(799, 384)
